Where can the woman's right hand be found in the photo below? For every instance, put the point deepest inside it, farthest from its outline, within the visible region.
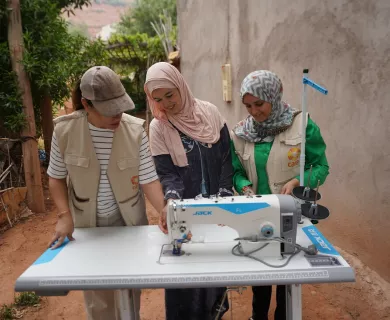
(64, 228)
(247, 191)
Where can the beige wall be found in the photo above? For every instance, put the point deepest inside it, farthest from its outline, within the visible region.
(346, 46)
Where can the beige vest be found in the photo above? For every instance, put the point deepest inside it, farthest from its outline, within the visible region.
(283, 160)
(77, 149)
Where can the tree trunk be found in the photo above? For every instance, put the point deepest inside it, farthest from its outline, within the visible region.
(47, 123)
(32, 168)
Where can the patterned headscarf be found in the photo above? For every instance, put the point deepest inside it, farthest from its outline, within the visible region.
(266, 86)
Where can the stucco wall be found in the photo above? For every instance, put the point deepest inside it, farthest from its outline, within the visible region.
(346, 46)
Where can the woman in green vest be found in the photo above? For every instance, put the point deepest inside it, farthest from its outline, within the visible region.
(265, 153)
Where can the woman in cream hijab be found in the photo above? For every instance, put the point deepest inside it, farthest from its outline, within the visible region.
(189, 142)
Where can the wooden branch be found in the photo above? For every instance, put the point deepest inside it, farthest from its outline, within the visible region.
(5, 190)
(5, 172)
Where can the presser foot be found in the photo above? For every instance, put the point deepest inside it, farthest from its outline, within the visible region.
(168, 250)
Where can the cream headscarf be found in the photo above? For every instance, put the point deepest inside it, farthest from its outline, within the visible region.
(197, 119)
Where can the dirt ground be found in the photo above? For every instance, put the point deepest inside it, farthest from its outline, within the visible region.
(20, 246)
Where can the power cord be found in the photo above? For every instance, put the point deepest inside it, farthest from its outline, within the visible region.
(241, 253)
(310, 250)
(238, 251)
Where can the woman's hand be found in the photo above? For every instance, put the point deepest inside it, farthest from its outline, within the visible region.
(289, 186)
(248, 191)
(154, 193)
(162, 221)
(64, 228)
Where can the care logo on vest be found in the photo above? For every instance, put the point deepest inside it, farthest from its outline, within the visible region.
(134, 182)
(293, 156)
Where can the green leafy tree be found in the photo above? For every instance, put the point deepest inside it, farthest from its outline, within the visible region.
(79, 29)
(53, 58)
(69, 5)
(130, 56)
(11, 116)
(139, 17)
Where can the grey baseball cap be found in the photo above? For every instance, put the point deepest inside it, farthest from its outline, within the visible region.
(103, 87)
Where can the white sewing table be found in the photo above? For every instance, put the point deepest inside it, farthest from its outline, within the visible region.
(133, 257)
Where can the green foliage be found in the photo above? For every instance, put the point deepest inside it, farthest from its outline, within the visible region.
(27, 299)
(15, 122)
(166, 32)
(9, 312)
(136, 93)
(11, 107)
(84, 54)
(132, 52)
(138, 19)
(79, 29)
(131, 56)
(3, 20)
(75, 4)
(6, 313)
(57, 54)
(69, 5)
(53, 58)
(47, 42)
(114, 3)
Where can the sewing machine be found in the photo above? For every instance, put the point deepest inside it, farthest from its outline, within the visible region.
(270, 219)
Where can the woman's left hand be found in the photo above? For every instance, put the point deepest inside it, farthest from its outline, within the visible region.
(162, 221)
(289, 186)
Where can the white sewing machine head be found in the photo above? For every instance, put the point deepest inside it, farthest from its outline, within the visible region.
(265, 217)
